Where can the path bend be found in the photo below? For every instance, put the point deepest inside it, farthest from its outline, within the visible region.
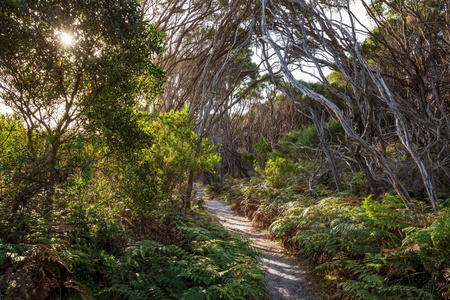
(286, 280)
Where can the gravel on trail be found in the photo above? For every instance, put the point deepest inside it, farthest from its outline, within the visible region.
(286, 280)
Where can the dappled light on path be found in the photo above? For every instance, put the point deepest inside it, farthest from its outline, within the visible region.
(285, 279)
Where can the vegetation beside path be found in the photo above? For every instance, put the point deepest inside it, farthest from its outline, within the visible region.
(360, 247)
(286, 279)
(189, 257)
(110, 110)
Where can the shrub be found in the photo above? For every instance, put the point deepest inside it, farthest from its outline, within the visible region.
(213, 265)
(304, 141)
(277, 171)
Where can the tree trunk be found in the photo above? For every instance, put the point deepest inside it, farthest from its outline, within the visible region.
(323, 142)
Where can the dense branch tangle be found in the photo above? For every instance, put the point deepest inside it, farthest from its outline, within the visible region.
(207, 57)
(314, 34)
(199, 36)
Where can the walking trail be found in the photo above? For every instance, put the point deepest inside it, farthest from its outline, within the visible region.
(285, 279)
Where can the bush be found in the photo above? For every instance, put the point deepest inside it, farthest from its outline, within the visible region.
(369, 249)
(213, 265)
(365, 248)
(304, 141)
(277, 171)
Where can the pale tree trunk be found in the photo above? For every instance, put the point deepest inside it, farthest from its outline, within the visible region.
(323, 142)
(232, 55)
(331, 43)
(317, 124)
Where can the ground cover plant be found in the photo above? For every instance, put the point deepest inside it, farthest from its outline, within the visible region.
(202, 261)
(362, 246)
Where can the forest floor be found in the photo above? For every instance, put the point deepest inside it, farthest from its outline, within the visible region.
(286, 280)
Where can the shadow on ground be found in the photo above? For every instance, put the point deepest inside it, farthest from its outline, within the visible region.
(286, 280)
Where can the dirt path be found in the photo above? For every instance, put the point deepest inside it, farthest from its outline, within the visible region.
(286, 280)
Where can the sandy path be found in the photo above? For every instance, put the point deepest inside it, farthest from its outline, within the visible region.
(286, 280)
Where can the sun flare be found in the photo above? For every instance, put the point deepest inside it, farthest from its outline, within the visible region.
(66, 39)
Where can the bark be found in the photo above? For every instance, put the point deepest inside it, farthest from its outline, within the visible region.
(302, 34)
(323, 143)
(232, 55)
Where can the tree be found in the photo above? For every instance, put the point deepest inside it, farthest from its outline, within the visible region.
(314, 34)
(410, 48)
(200, 35)
(74, 70)
(206, 40)
(311, 111)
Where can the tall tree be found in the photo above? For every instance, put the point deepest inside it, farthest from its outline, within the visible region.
(206, 40)
(71, 69)
(199, 36)
(410, 47)
(314, 34)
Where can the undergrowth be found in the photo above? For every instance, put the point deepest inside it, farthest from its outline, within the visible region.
(363, 248)
(205, 262)
(212, 265)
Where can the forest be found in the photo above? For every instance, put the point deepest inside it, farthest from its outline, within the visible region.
(326, 125)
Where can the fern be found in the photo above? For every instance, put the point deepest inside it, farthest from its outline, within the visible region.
(370, 285)
(206, 268)
(388, 214)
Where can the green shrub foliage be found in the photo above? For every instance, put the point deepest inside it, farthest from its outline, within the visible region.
(212, 265)
(306, 140)
(366, 248)
(276, 171)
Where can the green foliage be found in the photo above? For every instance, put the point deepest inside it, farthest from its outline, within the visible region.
(214, 264)
(429, 247)
(357, 183)
(276, 171)
(73, 94)
(317, 87)
(306, 140)
(337, 80)
(12, 143)
(174, 148)
(366, 248)
(155, 177)
(102, 264)
(99, 208)
(263, 149)
(306, 137)
(300, 146)
(371, 45)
